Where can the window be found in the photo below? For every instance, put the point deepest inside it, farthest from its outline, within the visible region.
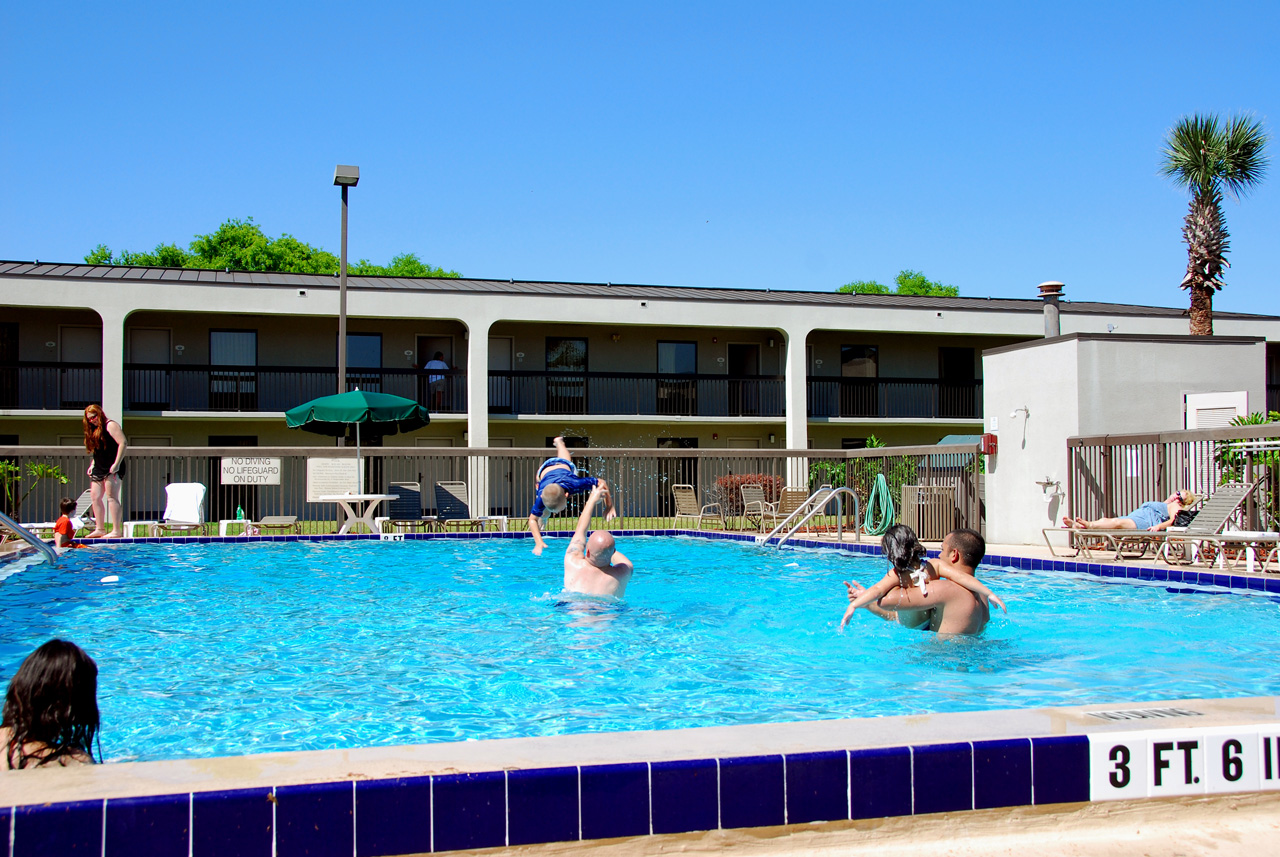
(860, 361)
(677, 397)
(566, 355)
(677, 358)
(853, 443)
(233, 390)
(364, 350)
(569, 395)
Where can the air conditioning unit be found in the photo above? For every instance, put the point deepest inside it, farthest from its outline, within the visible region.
(930, 510)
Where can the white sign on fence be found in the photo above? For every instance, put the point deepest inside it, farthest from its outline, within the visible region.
(251, 471)
(330, 476)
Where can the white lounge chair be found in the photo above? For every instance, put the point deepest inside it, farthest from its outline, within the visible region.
(687, 506)
(184, 510)
(81, 516)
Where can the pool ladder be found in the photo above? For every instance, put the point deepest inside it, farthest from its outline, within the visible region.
(817, 502)
(26, 535)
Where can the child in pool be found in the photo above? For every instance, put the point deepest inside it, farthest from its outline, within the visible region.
(554, 482)
(64, 530)
(949, 610)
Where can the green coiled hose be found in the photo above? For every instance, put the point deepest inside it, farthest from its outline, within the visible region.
(878, 504)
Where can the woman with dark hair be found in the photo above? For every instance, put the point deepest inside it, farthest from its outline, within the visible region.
(104, 440)
(51, 708)
(929, 595)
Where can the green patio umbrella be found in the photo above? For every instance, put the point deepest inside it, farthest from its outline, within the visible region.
(381, 412)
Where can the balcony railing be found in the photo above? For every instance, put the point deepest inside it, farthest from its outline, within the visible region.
(635, 393)
(34, 385)
(152, 387)
(903, 398)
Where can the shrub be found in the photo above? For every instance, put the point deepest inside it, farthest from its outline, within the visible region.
(730, 489)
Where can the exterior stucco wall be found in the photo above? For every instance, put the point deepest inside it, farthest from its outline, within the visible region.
(1093, 385)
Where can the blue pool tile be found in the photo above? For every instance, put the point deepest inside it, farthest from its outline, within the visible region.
(685, 796)
(1271, 584)
(393, 816)
(817, 787)
(880, 782)
(232, 823)
(1159, 574)
(542, 806)
(752, 792)
(1222, 580)
(615, 801)
(315, 820)
(1060, 769)
(148, 826)
(1255, 583)
(469, 811)
(1002, 773)
(54, 830)
(943, 777)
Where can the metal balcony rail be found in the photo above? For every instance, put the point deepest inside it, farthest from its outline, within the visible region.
(172, 387)
(636, 393)
(894, 397)
(47, 385)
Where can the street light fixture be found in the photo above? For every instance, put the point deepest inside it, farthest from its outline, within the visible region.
(344, 177)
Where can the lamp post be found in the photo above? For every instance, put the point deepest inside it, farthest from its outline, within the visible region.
(344, 177)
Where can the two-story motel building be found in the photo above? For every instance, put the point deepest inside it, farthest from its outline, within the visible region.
(195, 358)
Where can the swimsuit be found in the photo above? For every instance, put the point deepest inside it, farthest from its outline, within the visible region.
(105, 456)
(569, 478)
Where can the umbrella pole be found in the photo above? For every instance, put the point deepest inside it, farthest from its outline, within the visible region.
(359, 464)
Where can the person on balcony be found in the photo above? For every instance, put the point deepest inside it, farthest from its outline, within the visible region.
(436, 382)
(554, 482)
(104, 440)
(595, 566)
(1153, 516)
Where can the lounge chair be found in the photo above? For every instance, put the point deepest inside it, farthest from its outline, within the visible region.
(453, 509)
(406, 510)
(1174, 544)
(686, 500)
(184, 509)
(791, 499)
(283, 523)
(81, 516)
(755, 508)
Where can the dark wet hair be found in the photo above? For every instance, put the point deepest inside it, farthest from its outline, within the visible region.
(903, 550)
(52, 702)
(66, 505)
(971, 544)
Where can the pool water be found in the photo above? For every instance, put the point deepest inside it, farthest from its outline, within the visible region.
(221, 649)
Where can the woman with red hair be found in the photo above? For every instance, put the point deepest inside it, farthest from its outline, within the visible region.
(104, 440)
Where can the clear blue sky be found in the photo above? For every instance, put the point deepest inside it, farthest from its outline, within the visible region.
(736, 144)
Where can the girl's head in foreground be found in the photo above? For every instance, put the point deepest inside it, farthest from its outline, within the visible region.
(903, 550)
(51, 709)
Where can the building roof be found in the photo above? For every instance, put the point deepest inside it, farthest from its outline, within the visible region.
(185, 276)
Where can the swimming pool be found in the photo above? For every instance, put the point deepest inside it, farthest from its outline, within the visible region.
(218, 649)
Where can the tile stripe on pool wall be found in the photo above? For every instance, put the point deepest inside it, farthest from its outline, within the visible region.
(448, 812)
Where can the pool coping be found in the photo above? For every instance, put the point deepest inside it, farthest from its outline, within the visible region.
(503, 792)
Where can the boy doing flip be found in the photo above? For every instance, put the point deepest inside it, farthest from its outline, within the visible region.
(555, 480)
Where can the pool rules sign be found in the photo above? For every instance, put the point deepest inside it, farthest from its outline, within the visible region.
(1166, 762)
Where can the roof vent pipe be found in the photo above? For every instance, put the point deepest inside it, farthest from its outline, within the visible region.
(1049, 293)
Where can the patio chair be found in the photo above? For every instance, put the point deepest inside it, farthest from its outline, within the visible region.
(755, 508)
(81, 516)
(791, 499)
(686, 500)
(406, 510)
(184, 509)
(453, 509)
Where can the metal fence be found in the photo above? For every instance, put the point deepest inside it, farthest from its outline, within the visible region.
(1111, 475)
(501, 480)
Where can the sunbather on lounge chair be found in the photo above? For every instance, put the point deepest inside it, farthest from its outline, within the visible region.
(1153, 516)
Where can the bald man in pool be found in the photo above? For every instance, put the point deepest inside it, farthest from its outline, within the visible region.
(595, 566)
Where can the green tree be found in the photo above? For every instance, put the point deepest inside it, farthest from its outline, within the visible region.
(241, 245)
(1206, 156)
(908, 283)
(11, 475)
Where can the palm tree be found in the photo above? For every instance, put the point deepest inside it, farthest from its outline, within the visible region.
(1206, 156)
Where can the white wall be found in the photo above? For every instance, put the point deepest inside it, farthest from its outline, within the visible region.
(1092, 384)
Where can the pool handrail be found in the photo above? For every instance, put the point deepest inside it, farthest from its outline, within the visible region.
(817, 502)
(26, 535)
